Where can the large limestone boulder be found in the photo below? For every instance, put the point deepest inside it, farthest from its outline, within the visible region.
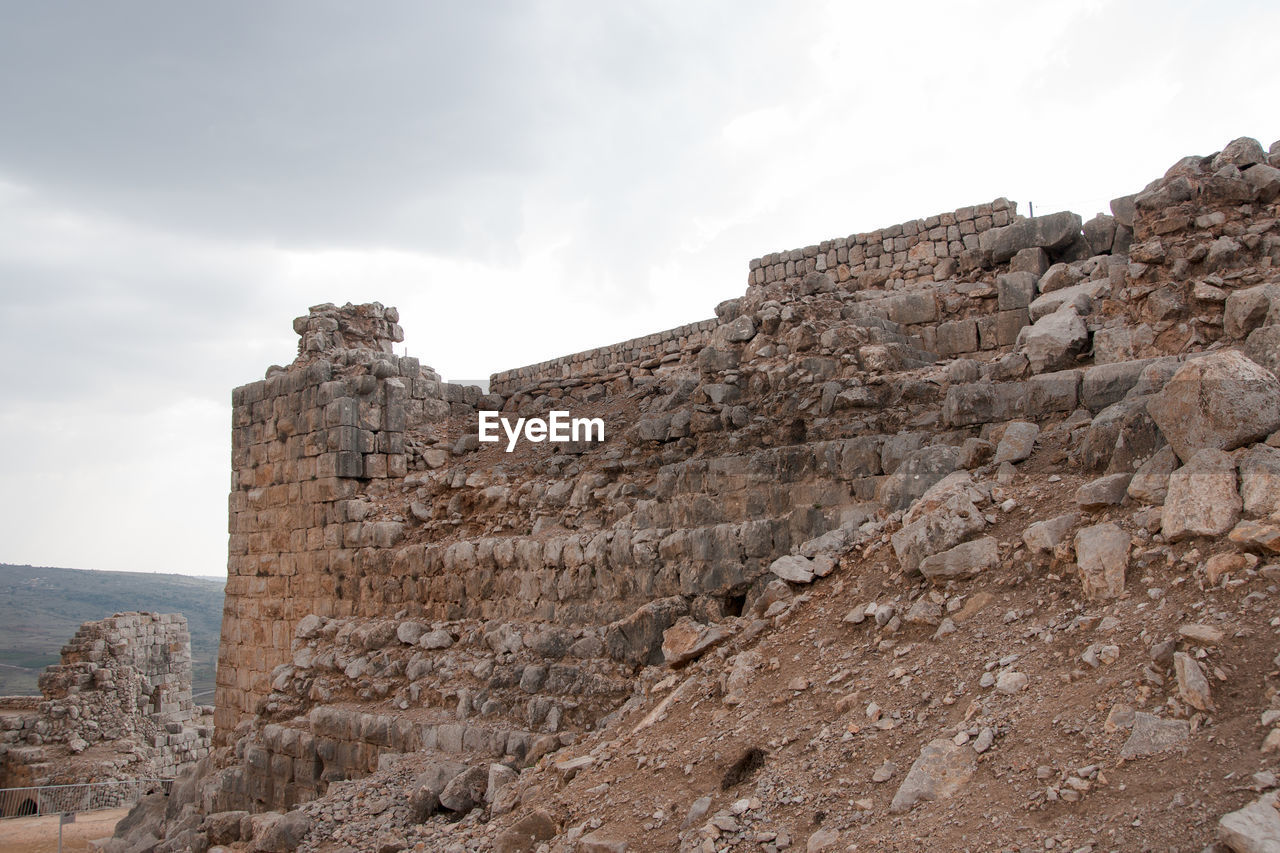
(1263, 347)
(1102, 552)
(1120, 437)
(1241, 153)
(1150, 483)
(1254, 828)
(424, 793)
(942, 769)
(283, 834)
(964, 560)
(916, 474)
(1052, 233)
(689, 639)
(466, 790)
(637, 639)
(1082, 296)
(1260, 536)
(1044, 536)
(1265, 181)
(1222, 400)
(1018, 442)
(1247, 309)
(1152, 735)
(1054, 341)
(1100, 233)
(1260, 480)
(939, 530)
(1202, 499)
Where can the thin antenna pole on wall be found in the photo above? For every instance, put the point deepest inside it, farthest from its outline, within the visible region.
(1031, 209)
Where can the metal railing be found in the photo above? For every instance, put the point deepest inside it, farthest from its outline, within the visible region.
(65, 799)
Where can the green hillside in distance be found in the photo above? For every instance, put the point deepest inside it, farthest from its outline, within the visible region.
(41, 608)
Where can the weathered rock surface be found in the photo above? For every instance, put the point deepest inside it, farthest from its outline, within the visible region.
(638, 637)
(525, 835)
(1102, 552)
(1103, 492)
(1254, 828)
(466, 790)
(1193, 687)
(963, 560)
(1152, 735)
(1260, 480)
(1052, 233)
(283, 834)
(800, 569)
(915, 474)
(1054, 341)
(1247, 309)
(1081, 297)
(940, 771)
(1016, 289)
(1018, 442)
(1222, 400)
(1202, 499)
(424, 795)
(1044, 536)
(1257, 536)
(943, 528)
(1263, 347)
(1150, 483)
(689, 639)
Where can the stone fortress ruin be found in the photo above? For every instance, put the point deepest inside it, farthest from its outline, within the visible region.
(885, 440)
(118, 706)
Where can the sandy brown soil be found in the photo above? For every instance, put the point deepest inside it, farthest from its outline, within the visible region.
(40, 834)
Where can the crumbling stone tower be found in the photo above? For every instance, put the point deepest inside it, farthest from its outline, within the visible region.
(305, 440)
(119, 705)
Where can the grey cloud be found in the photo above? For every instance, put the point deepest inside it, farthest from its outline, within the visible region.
(412, 124)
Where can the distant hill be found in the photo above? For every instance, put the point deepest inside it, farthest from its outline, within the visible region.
(40, 608)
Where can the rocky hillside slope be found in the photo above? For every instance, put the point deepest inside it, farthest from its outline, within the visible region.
(939, 540)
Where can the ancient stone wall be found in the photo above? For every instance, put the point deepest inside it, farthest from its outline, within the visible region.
(659, 347)
(326, 522)
(929, 248)
(864, 411)
(118, 705)
(306, 441)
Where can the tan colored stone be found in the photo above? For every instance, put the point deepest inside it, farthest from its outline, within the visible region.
(1260, 480)
(1222, 401)
(1202, 498)
(1150, 482)
(1102, 552)
(964, 560)
(1223, 564)
(1205, 635)
(1193, 687)
(1254, 828)
(1044, 536)
(940, 771)
(689, 639)
(1257, 536)
(1152, 735)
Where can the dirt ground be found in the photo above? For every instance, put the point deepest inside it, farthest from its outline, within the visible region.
(40, 834)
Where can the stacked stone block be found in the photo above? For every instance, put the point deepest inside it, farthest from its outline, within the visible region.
(126, 678)
(930, 248)
(306, 441)
(614, 359)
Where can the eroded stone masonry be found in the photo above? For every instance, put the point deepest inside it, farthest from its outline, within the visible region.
(941, 496)
(118, 706)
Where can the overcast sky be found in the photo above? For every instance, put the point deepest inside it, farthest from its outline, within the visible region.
(523, 179)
